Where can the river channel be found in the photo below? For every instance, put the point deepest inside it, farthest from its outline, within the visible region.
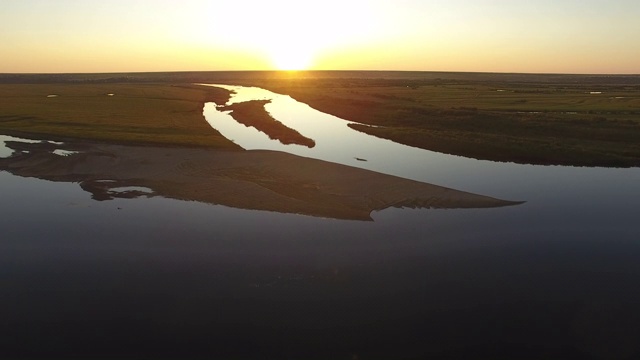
(556, 276)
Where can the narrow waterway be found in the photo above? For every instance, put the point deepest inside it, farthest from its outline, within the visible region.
(336, 142)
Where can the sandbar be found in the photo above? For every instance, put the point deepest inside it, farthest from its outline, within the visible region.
(257, 179)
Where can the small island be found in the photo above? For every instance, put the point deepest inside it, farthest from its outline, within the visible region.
(253, 114)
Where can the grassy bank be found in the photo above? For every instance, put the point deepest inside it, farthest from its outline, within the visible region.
(580, 124)
(122, 113)
(584, 120)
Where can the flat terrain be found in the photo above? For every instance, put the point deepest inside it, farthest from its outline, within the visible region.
(169, 114)
(261, 180)
(535, 123)
(154, 135)
(581, 120)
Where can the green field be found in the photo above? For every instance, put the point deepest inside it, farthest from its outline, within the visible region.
(123, 113)
(582, 120)
(539, 123)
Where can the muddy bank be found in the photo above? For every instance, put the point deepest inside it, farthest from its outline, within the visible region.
(260, 180)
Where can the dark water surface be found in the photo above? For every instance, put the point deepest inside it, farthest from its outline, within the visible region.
(556, 277)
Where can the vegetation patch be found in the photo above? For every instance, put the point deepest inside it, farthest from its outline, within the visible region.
(530, 122)
(168, 114)
(584, 120)
(253, 114)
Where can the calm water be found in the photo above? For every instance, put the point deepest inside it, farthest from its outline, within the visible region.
(556, 277)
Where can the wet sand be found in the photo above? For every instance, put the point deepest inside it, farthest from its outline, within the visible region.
(259, 180)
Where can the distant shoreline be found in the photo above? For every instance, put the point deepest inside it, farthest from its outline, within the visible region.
(241, 75)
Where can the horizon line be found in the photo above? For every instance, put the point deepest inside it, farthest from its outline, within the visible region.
(318, 70)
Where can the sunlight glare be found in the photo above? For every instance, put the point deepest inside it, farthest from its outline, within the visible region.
(290, 34)
(291, 59)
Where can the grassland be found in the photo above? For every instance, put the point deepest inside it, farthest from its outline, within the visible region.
(583, 120)
(120, 113)
(537, 123)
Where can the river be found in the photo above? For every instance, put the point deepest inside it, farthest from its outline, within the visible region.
(556, 276)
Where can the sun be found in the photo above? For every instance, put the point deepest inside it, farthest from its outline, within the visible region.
(291, 58)
(288, 34)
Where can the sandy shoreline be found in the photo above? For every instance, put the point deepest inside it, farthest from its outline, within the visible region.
(259, 180)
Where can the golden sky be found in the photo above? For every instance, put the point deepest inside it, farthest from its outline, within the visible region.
(556, 36)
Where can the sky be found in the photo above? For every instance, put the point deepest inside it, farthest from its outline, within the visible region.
(532, 36)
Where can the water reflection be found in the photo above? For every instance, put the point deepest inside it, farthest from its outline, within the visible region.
(335, 140)
(553, 278)
(338, 143)
(6, 151)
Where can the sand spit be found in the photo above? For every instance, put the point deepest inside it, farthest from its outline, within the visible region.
(260, 180)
